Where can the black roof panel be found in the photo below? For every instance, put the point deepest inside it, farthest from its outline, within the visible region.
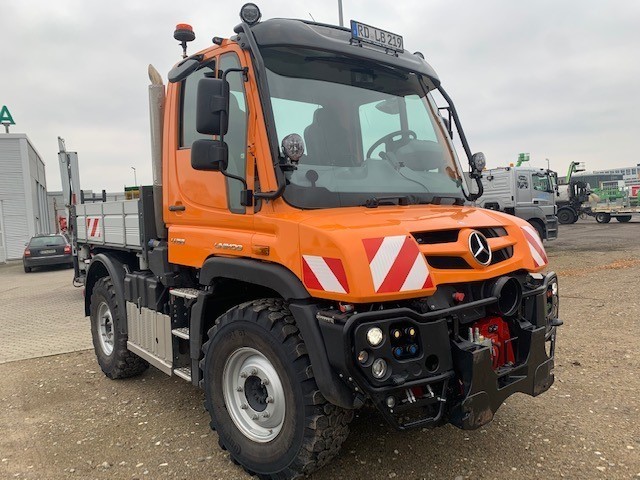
(300, 33)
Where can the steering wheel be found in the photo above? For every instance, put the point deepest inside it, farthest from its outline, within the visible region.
(388, 140)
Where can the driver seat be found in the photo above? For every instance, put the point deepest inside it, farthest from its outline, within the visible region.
(328, 142)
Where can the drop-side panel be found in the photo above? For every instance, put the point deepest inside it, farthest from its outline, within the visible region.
(111, 224)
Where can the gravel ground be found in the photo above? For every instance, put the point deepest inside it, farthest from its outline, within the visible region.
(61, 418)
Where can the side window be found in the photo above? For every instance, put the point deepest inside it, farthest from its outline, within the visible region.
(541, 184)
(236, 137)
(189, 90)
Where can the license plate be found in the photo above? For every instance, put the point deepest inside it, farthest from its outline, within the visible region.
(47, 252)
(375, 36)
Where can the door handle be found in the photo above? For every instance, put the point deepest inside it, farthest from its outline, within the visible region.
(177, 208)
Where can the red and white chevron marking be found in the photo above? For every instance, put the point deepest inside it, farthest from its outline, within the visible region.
(93, 228)
(535, 246)
(396, 264)
(323, 273)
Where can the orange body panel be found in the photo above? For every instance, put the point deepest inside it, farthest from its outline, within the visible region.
(206, 227)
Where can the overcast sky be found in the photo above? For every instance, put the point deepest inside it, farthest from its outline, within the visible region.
(557, 79)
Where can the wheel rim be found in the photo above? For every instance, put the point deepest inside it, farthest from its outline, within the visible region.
(253, 394)
(105, 328)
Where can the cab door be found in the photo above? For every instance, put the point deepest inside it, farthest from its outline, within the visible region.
(202, 208)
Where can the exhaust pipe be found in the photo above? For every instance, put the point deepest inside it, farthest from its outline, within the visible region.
(156, 115)
(509, 294)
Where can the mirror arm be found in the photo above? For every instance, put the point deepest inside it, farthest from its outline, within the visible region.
(275, 193)
(465, 145)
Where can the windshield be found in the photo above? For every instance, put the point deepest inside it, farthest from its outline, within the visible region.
(52, 241)
(369, 131)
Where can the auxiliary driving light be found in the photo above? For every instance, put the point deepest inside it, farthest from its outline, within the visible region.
(250, 13)
(374, 336)
(379, 368)
(391, 402)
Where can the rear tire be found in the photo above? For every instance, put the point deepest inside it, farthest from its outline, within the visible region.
(302, 431)
(624, 218)
(603, 217)
(109, 343)
(27, 269)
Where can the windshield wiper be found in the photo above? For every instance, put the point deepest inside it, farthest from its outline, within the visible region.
(374, 202)
(437, 199)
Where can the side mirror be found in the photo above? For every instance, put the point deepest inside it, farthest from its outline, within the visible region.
(212, 106)
(209, 155)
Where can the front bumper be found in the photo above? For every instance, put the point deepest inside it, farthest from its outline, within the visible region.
(453, 379)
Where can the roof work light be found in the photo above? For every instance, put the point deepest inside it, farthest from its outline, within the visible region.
(250, 14)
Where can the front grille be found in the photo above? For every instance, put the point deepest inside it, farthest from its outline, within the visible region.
(492, 232)
(448, 263)
(501, 255)
(437, 236)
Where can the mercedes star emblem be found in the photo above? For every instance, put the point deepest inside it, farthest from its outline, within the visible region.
(479, 247)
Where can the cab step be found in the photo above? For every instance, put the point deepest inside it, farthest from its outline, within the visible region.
(181, 332)
(188, 293)
(183, 372)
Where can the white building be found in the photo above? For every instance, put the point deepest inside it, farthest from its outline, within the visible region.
(23, 195)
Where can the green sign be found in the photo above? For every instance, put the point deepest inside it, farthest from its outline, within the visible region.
(5, 116)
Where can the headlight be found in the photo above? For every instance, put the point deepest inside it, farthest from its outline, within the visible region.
(379, 368)
(554, 288)
(374, 336)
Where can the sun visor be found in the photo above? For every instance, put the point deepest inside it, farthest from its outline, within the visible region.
(299, 33)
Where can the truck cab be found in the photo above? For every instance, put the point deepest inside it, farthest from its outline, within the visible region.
(310, 246)
(528, 193)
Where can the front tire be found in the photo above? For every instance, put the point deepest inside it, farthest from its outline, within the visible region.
(566, 216)
(539, 228)
(109, 343)
(262, 396)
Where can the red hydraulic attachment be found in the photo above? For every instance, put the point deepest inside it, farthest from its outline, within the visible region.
(497, 330)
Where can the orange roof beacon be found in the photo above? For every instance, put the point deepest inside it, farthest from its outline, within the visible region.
(310, 245)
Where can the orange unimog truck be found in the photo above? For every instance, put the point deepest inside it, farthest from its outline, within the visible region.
(310, 246)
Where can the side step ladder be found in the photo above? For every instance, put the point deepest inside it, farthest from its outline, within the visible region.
(181, 307)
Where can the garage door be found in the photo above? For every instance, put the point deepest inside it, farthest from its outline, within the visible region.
(3, 249)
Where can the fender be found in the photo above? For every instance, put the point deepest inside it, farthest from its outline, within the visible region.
(103, 265)
(270, 275)
(288, 286)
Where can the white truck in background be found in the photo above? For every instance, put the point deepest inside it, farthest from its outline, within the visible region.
(526, 192)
